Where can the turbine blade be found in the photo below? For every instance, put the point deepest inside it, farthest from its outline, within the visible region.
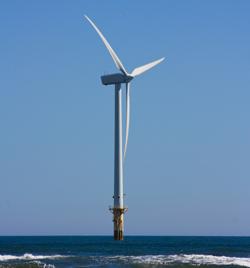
(144, 68)
(127, 117)
(115, 58)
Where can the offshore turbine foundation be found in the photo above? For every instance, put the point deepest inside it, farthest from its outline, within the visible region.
(118, 222)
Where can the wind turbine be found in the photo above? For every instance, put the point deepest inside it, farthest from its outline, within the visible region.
(117, 79)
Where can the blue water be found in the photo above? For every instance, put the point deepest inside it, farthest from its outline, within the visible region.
(141, 251)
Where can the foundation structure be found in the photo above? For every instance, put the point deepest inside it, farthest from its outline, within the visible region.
(118, 222)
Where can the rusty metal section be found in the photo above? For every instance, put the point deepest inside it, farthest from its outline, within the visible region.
(118, 222)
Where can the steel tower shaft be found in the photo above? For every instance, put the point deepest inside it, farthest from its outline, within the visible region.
(118, 209)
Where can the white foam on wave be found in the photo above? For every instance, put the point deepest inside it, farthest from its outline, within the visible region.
(195, 259)
(44, 265)
(183, 258)
(28, 256)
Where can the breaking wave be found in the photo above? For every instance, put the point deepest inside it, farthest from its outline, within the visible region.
(191, 259)
(28, 256)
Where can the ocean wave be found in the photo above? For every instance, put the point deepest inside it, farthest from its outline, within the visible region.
(44, 265)
(192, 259)
(28, 256)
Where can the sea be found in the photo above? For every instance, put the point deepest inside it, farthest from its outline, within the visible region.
(134, 251)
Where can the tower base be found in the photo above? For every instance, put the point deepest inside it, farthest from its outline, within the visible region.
(118, 222)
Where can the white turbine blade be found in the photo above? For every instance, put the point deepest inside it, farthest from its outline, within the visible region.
(127, 117)
(115, 58)
(144, 68)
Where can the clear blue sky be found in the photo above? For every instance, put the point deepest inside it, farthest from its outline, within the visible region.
(187, 170)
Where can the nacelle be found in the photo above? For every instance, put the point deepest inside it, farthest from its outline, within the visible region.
(118, 78)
